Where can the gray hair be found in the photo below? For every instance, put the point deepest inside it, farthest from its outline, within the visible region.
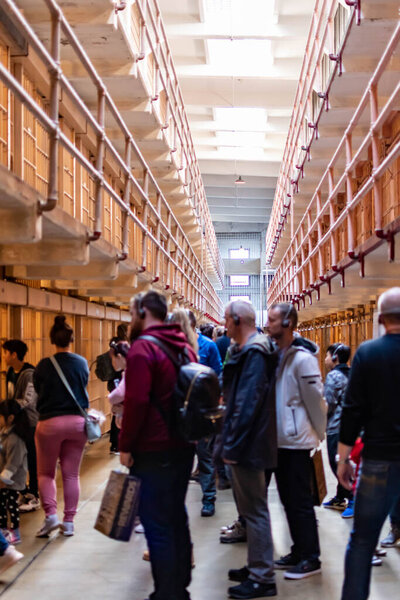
(389, 302)
(244, 310)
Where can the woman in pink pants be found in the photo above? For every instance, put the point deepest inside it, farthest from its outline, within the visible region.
(60, 433)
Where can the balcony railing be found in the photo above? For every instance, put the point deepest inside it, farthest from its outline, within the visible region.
(355, 207)
(142, 22)
(330, 26)
(134, 218)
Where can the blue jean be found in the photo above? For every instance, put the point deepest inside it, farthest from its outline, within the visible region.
(377, 493)
(206, 470)
(162, 511)
(3, 544)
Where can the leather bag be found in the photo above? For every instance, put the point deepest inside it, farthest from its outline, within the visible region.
(318, 481)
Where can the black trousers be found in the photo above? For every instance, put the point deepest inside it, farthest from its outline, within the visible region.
(9, 511)
(32, 464)
(293, 479)
(114, 435)
(165, 477)
(332, 440)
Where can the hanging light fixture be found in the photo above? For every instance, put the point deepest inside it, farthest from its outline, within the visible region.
(240, 181)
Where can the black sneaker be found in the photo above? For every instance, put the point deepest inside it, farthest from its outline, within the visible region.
(285, 562)
(252, 589)
(208, 509)
(305, 568)
(239, 574)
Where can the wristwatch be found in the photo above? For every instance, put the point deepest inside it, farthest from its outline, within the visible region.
(343, 461)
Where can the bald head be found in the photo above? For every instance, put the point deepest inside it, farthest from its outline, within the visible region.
(244, 311)
(389, 305)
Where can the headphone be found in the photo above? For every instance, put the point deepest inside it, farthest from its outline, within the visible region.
(139, 307)
(286, 320)
(335, 354)
(236, 318)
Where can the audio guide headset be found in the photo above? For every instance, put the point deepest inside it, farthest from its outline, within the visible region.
(139, 307)
(335, 353)
(236, 319)
(286, 320)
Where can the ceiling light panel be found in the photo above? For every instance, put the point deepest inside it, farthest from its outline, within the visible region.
(240, 138)
(241, 14)
(241, 119)
(239, 57)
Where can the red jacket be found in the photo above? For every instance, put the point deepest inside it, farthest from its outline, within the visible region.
(149, 370)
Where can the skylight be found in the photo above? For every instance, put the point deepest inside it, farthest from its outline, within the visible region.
(240, 138)
(250, 57)
(256, 14)
(241, 119)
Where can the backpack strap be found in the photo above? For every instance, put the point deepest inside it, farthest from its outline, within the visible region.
(163, 347)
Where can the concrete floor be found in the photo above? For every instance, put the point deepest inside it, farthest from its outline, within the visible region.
(90, 566)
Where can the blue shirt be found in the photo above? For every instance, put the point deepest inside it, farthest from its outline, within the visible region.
(209, 354)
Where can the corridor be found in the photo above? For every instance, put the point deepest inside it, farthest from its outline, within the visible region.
(89, 566)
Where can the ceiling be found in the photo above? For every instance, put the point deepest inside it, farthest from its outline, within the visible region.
(238, 64)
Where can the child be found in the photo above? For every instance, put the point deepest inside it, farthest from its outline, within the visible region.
(335, 386)
(14, 428)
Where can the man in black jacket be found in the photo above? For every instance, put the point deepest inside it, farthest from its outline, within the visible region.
(372, 404)
(249, 444)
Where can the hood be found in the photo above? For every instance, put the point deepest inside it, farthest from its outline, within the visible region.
(170, 334)
(343, 368)
(304, 344)
(259, 340)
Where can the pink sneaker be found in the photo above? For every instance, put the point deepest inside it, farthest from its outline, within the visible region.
(14, 536)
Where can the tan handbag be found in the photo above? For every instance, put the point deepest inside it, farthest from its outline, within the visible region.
(318, 481)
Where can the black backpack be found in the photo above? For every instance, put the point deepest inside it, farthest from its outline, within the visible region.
(196, 412)
(104, 369)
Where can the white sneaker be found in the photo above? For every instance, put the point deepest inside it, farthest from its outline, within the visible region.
(9, 558)
(49, 524)
(67, 528)
(139, 528)
(32, 504)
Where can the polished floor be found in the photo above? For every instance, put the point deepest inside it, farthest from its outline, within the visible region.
(89, 566)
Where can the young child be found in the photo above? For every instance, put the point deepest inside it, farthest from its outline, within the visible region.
(335, 386)
(14, 431)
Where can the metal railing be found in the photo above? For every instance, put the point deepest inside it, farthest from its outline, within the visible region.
(325, 242)
(297, 151)
(153, 37)
(203, 296)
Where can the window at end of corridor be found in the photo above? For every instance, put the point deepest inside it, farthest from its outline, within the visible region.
(239, 280)
(239, 252)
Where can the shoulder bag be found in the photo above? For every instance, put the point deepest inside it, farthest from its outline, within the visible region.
(93, 429)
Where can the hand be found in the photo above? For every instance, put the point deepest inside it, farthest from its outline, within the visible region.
(126, 460)
(230, 462)
(345, 474)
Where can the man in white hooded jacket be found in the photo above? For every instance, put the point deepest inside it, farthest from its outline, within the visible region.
(301, 424)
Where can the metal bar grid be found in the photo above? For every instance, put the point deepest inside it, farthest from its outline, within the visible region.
(52, 126)
(169, 80)
(282, 282)
(319, 35)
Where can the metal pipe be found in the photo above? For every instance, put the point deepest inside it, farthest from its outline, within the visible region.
(52, 196)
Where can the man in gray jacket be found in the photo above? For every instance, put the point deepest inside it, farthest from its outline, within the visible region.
(301, 423)
(249, 444)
